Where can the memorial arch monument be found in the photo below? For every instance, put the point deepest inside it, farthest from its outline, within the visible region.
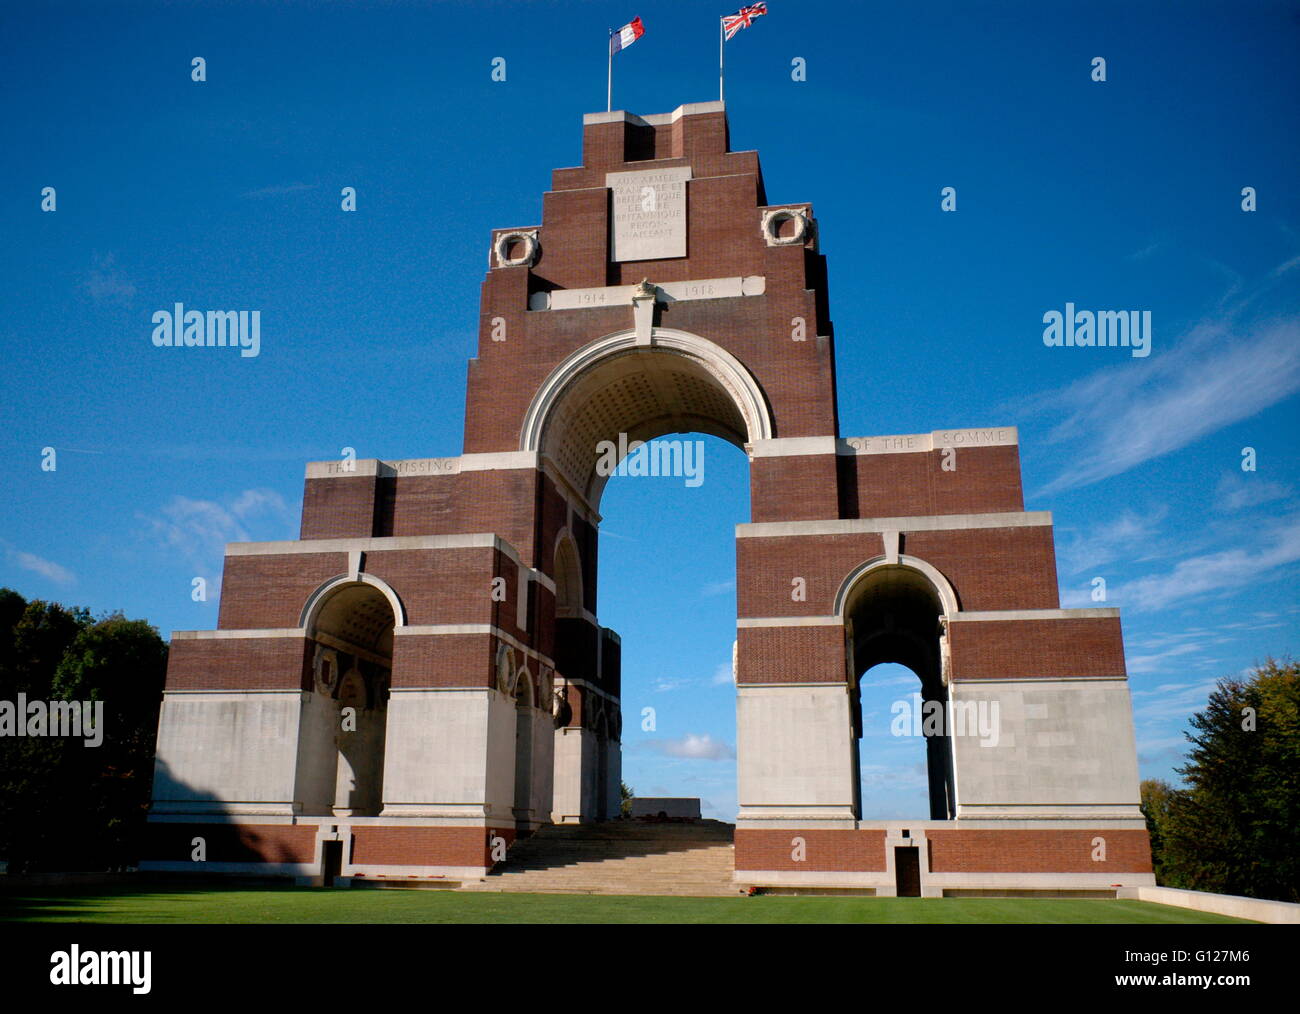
(421, 678)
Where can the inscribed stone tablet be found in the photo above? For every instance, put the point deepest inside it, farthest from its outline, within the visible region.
(648, 220)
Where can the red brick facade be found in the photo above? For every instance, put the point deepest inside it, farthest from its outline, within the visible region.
(820, 851)
(1030, 851)
(231, 843)
(453, 543)
(395, 845)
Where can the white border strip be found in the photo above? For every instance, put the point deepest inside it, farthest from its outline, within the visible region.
(921, 523)
(1039, 614)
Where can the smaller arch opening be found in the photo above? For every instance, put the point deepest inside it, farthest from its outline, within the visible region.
(568, 579)
(351, 624)
(893, 623)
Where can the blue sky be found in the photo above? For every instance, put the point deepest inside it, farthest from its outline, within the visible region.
(1119, 195)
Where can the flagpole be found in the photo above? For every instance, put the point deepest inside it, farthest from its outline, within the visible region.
(609, 76)
(721, 43)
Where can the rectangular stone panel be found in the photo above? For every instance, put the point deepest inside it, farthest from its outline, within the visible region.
(648, 220)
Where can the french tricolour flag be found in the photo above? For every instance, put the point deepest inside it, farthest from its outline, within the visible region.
(626, 35)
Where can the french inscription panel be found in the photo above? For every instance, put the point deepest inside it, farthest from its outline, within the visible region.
(648, 218)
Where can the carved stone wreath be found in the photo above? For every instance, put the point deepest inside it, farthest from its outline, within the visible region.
(505, 669)
(501, 248)
(325, 668)
(774, 218)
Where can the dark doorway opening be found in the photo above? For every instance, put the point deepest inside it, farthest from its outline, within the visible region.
(331, 862)
(907, 871)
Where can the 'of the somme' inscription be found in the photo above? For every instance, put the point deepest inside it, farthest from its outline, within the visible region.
(648, 217)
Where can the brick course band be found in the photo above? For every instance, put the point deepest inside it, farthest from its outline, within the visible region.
(1016, 851)
(230, 843)
(824, 850)
(378, 845)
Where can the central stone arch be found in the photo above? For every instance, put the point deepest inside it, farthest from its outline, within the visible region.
(624, 387)
(676, 382)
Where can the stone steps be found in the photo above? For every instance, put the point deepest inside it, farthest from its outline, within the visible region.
(620, 857)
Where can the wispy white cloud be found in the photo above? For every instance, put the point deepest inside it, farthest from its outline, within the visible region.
(280, 189)
(721, 676)
(667, 684)
(1161, 749)
(198, 530)
(1277, 546)
(107, 283)
(1171, 700)
(1139, 664)
(1237, 492)
(1145, 252)
(693, 747)
(1128, 535)
(46, 568)
(718, 588)
(1139, 410)
(1285, 266)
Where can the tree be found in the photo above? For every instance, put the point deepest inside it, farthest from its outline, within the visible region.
(64, 805)
(1156, 799)
(625, 795)
(1234, 828)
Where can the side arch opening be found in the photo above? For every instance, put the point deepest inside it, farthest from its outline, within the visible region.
(350, 624)
(896, 613)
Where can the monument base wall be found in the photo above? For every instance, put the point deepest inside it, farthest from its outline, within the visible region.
(953, 858)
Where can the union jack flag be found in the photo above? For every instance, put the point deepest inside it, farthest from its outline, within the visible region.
(743, 18)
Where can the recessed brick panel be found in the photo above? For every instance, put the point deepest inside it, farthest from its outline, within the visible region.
(767, 567)
(420, 505)
(791, 654)
(396, 845)
(793, 488)
(443, 660)
(1024, 649)
(444, 585)
(984, 480)
(239, 663)
(230, 843)
(267, 592)
(992, 568)
(338, 508)
(824, 850)
(1041, 851)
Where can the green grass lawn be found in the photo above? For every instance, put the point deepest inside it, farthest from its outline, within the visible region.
(315, 905)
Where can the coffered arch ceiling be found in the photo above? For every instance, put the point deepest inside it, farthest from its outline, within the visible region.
(679, 383)
(356, 615)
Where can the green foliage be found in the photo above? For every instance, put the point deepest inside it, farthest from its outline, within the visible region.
(625, 797)
(64, 805)
(1233, 829)
(1156, 797)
